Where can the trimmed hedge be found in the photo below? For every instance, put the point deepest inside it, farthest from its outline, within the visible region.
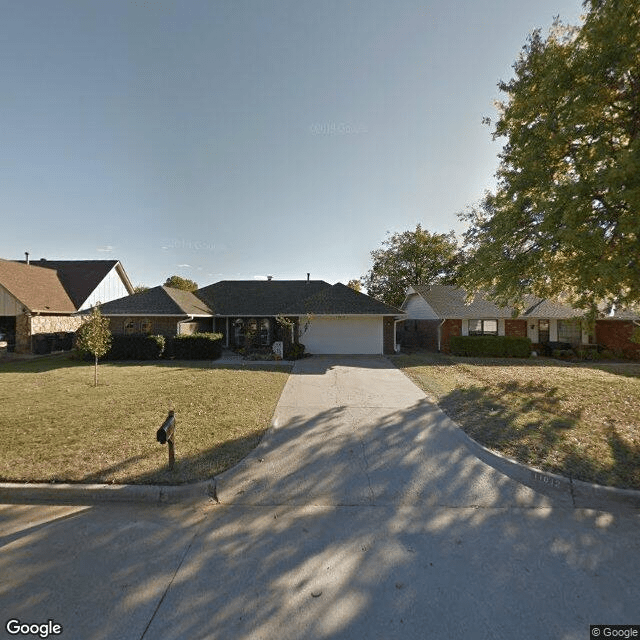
(490, 346)
(197, 346)
(136, 347)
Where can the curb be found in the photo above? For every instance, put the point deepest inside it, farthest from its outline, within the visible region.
(583, 495)
(17, 493)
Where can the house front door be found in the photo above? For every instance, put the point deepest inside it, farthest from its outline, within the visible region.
(543, 331)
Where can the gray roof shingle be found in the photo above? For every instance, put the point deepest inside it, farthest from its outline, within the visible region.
(158, 301)
(341, 300)
(450, 302)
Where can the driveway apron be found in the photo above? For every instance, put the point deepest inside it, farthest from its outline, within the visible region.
(357, 431)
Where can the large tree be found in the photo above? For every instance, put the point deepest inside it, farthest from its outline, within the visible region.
(565, 217)
(409, 258)
(178, 282)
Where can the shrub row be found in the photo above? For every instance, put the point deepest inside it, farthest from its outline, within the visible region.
(135, 347)
(490, 346)
(198, 346)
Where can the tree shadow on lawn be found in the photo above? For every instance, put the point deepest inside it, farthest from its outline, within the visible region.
(364, 523)
(527, 423)
(187, 469)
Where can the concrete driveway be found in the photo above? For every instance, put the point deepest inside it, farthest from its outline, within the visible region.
(356, 431)
(361, 515)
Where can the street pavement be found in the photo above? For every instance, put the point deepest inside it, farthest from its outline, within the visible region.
(362, 514)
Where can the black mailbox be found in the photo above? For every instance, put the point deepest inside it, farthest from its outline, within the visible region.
(165, 432)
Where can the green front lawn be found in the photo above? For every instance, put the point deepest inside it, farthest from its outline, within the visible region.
(55, 426)
(579, 420)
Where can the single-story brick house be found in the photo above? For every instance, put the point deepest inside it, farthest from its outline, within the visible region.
(325, 318)
(39, 300)
(434, 313)
(159, 311)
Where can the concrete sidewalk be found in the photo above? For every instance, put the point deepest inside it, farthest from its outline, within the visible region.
(362, 514)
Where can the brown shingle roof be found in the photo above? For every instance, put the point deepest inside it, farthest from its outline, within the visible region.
(80, 278)
(37, 288)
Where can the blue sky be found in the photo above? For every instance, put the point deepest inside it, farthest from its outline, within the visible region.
(231, 140)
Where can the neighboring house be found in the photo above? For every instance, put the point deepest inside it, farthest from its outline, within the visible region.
(39, 300)
(434, 313)
(325, 318)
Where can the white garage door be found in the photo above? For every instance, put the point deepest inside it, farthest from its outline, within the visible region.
(331, 334)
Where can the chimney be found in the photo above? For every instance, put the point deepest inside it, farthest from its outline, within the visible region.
(26, 257)
(308, 276)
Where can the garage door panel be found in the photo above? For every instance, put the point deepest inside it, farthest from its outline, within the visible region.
(344, 335)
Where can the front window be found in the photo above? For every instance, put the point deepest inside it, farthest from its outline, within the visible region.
(483, 327)
(264, 332)
(238, 327)
(129, 326)
(145, 326)
(569, 331)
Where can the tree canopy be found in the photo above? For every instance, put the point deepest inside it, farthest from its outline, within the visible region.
(177, 282)
(565, 217)
(409, 258)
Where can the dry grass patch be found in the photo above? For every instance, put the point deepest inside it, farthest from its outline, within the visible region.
(581, 421)
(55, 426)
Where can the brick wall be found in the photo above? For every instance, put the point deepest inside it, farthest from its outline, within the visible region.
(615, 335)
(449, 328)
(160, 325)
(515, 328)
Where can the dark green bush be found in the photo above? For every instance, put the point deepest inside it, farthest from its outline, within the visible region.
(136, 347)
(294, 351)
(490, 346)
(197, 346)
(563, 354)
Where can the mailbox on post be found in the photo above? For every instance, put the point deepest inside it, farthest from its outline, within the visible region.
(166, 434)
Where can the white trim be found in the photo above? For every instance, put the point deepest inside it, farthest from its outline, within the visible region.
(150, 315)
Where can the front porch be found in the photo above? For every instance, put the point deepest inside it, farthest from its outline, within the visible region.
(256, 333)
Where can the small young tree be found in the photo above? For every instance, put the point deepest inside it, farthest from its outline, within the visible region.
(94, 337)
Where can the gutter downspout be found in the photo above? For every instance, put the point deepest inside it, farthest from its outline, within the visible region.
(396, 346)
(440, 335)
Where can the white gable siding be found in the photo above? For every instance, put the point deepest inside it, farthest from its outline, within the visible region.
(111, 288)
(9, 306)
(417, 308)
